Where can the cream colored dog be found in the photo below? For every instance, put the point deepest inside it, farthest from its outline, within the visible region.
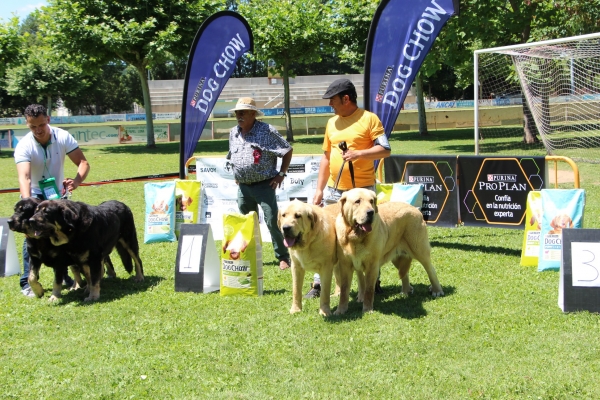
(309, 233)
(370, 235)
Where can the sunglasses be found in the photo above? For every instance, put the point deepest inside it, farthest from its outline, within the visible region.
(242, 112)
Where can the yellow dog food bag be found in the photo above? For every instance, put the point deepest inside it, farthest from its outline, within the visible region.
(241, 256)
(533, 227)
(187, 202)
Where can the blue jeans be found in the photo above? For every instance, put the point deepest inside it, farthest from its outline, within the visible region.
(23, 281)
(249, 197)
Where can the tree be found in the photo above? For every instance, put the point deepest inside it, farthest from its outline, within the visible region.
(141, 34)
(41, 73)
(10, 54)
(351, 22)
(111, 90)
(287, 32)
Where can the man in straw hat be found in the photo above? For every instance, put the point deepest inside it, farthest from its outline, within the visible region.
(353, 137)
(254, 147)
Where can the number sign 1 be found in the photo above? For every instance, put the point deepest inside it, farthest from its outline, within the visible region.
(197, 267)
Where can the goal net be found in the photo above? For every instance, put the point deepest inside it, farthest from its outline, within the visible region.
(539, 98)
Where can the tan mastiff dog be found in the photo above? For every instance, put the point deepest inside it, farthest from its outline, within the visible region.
(370, 235)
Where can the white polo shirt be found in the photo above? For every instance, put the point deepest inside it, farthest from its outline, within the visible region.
(48, 162)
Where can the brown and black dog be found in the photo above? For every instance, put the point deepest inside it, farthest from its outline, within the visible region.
(42, 251)
(89, 234)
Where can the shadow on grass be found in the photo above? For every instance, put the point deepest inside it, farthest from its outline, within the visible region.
(110, 289)
(204, 146)
(477, 248)
(391, 302)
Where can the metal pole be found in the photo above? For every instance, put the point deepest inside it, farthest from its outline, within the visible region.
(476, 97)
(536, 44)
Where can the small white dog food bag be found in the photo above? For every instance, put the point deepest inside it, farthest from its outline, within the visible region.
(160, 212)
(241, 259)
(562, 209)
(187, 202)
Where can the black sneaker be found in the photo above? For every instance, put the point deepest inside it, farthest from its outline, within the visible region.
(314, 292)
(378, 288)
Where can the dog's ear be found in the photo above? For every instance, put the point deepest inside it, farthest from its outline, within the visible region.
(342, 200)
(375, 203)
(70, 217)
(314, 218)
(80, 216)
(279, 219)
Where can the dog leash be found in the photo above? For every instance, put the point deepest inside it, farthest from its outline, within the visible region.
(344, 148)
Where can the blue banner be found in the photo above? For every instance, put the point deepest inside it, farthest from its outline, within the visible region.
(401, 35)
(221, 40)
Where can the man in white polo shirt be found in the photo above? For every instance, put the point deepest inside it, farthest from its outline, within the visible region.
(40, 159)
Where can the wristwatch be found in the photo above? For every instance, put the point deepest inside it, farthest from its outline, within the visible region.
(281, 173)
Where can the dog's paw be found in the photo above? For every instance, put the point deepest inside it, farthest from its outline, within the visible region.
(53, 299)
(91, 298)
(37, 289)
(138, 279)
(325, 312)
(436, 294)
(410, 290)
(340, 311)
(295, 310)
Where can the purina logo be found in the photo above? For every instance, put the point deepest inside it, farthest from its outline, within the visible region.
(502, 178)
(420, 179)
(197, 92)
(386, 78)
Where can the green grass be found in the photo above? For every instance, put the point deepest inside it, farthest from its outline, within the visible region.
(497, 334)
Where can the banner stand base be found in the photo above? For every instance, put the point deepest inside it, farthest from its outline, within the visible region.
(9, 260)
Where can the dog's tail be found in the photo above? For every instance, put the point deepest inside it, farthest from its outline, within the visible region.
(125, 257)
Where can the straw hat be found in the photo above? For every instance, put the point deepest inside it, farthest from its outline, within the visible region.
(247, 103)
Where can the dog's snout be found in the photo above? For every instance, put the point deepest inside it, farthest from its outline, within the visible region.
(370, 215)
(287, 229)
(11, 223)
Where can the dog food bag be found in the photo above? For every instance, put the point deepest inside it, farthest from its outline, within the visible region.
(160, 212)
(241, 256)
(187, 202)
(563, 209)
(533, 226)
(411, 194)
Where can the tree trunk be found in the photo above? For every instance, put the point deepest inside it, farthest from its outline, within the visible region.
(147, 106)
(529, 129)
(49, 105)
(286, 104)
(421, 107)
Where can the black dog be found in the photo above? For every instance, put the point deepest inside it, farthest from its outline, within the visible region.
(88, 234)
(42, 251)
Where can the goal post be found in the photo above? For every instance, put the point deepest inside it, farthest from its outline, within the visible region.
(540, 98)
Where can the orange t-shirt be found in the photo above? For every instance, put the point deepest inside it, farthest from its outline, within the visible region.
(358, 130)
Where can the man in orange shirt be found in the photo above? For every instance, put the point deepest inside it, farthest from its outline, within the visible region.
(366, 142)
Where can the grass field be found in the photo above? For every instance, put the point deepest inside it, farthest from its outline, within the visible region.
(497, 334)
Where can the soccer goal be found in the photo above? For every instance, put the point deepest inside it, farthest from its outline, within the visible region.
(540, 98)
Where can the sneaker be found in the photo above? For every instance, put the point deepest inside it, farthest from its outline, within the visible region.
(314, 292)
(378, 288)
(68, 281)
(28, 292)
(284, 264)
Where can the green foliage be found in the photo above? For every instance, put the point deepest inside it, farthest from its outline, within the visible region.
(113, 89)
(288, 31)
(351, 22)
(497, 334)
(10, 44)
(142, 34)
